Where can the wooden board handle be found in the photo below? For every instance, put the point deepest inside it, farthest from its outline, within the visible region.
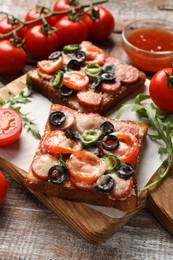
(160, 202)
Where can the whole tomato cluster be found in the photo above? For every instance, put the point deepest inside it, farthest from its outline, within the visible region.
(44, 31)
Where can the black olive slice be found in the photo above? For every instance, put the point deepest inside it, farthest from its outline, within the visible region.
(57, 118)
(108, 67)
(110, 142)
(107, 127)
(105, 183)
(80, 56)
(107, 77)
(73, 65)
(72, 135)
(65, 92)
(56, 174)
(55, 55)
(125, 171)
(95, 149)
(96, 83)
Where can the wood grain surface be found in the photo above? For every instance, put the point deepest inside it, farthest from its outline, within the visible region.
(29, 230)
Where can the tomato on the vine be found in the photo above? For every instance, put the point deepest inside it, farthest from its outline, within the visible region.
(3, 187)
(8, 25)
(71, 32)
(64, 5)
(37, 12)
(10, 126)
(39, 44)
(161, 89)
(12, 59)
(101, 27)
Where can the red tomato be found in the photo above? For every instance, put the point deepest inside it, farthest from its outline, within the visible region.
(40, 45)
(128, 148)
(75, 79)
(6, 27)
(85, 166)
(101, 28)
(37, 12)
(12, 59)
(3, 187)
(70, 32)
(10, 126)
(63, 5)
(50, 66)
(161, 93)
(56, 142)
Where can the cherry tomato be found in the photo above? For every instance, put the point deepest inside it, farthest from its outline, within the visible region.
(3, 187)
(37, 12)
(102, 27)
(40, 45)
(7, 26)
(10, 126)
(128, 148)
(63, 5)
(56, 142)
(161, 89)
(50, 66)
(75, 80)
(85, 166)
(12, 59)
(70, 32)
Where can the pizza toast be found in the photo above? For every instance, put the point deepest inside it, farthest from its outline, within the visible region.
(88, 158)
(84, 78)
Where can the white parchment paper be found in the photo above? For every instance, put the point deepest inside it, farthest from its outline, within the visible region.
(22, 151)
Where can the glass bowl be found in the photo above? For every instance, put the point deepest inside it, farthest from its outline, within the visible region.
(149, 60)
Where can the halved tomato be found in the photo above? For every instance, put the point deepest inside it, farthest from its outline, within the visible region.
(56, 142)
(10, 126)
(75, 79)
(86, 167)
(128, 148)
(50, 66)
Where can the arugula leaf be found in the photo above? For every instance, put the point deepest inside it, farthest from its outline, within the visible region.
(22, 98)
(163, 126)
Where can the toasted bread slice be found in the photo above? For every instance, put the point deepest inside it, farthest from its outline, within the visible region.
(87, 171)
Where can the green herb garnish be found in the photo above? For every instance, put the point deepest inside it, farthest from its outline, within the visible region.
(22, 98)
(163, 126)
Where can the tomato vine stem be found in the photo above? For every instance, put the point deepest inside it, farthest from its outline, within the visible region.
(52, 13)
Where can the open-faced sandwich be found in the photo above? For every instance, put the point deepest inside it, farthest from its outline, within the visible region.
(88, 158)
(84, 78)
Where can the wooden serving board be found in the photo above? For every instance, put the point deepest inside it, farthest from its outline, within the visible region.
(89, 223)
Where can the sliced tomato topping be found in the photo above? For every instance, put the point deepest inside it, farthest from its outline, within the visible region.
(41, 165)
(86, 167)
(128, 148)
(77, 80)
(122, 187)
(56, 142)
(93, 53)
(81, 185)
(50, 66)
(10, 126)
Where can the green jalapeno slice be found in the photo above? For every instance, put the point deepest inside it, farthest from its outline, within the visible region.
(93, 70)
(71, 48)
(58, 77)
(90, 136)
(112, 162)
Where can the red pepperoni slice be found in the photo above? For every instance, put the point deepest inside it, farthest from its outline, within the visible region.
(127, 74)
(122, 187)
(41, 165)
(112, 60)
(69, 119)
(89, 99)
(126, 128)
(111, 87)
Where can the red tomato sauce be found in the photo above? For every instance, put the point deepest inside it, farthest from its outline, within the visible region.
(152, 40)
